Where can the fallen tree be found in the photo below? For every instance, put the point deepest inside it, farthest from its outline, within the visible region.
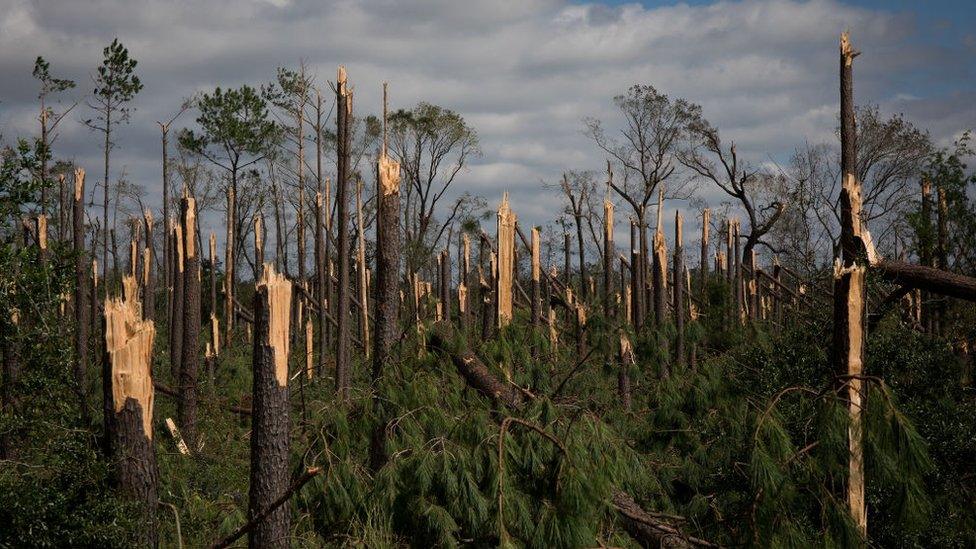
(646, 528)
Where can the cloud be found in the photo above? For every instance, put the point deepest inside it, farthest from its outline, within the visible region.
(524, 73)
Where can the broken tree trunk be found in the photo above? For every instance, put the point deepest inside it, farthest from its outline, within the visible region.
(321, 276)
(269, 411)
(387, 260)
(703, 264)
(229, 271)
(176, 323)
(81, 297)
(343, 113)
(850, 292)
(608, 255)
(636, 283)
(213, 280)
(387, 299)
(646, 529)
(941, 256)
(190, 351)
(148, 280)
(659, 280)
(506, 262)
(679, 294)
(536, 305)
(128, 351)
(925, 248)
(361, 271)
(625, 360)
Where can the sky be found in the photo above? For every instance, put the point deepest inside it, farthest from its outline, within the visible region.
(524, 73)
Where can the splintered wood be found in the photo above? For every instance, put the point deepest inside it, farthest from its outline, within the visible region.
(277, 290)
(506, 261)
(850, 292)
(129, 343)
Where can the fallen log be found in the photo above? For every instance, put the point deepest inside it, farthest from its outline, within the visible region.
(644, 527)
(929, 279)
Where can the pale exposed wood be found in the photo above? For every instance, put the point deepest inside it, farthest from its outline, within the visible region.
(850, 292)
(215, 334)
(537, 274)
(129, 342)
(660, 265)
(506, 261)
(361, 264)
(309, 368)
(278, 290)
(177, 437)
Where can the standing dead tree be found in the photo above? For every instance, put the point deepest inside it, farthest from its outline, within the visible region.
(343, 114)
(506, 263)
(81, 297)
(388, 246)
(176, 321)
(269, 412)
(190, 357)
(850, 292)
(128, 351)
(762, 200)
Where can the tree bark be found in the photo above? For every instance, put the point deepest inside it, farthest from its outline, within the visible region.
(269, 416)
(176, 326)
(343, 113)
(128, 352)
(850, 293)
(190, 350)
(703, 264)
(148, 280)
(388, 246)
(679, 294)
(81, 298)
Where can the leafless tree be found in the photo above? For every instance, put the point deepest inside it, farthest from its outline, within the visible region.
(758, 194)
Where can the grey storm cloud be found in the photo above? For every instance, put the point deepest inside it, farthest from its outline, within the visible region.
(524, 73)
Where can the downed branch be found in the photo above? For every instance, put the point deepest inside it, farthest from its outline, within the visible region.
(472, 369)
(927, 278)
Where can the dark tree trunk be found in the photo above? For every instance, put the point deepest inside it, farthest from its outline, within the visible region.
(269, 415)
(388, 246)
(584, 280)
(567, 268)
(636, 282)
(849, 295)
(190, 361)
(678, 285)
(485, 285)
(129, 418)
(343, 113)
(82, 298)
(445, 285)
(321, 277)
(703, 263)
(176, 326)
(148, 280)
